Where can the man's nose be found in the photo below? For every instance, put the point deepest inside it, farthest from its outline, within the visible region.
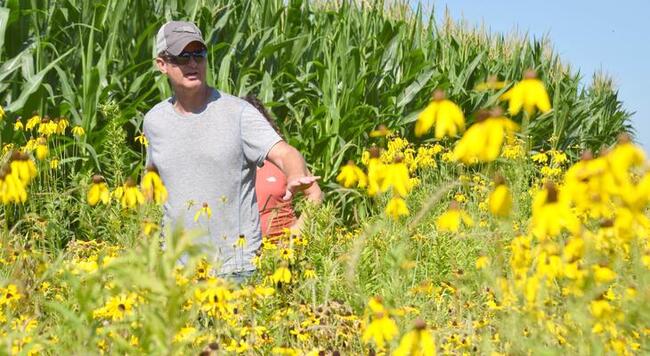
(193, 62)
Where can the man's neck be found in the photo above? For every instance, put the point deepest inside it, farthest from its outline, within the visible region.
(191, 101)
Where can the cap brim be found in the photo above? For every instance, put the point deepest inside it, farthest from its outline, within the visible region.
(177, 47)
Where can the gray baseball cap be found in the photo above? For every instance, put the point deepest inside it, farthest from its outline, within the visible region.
(175, 35)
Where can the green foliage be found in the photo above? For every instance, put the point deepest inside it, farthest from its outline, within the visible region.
(329, 73)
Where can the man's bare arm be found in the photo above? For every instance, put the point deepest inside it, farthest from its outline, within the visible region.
(292, 164)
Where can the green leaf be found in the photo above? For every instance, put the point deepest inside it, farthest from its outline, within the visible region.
(13, 64)
(4, 19)
(414, 88)
(34, 84)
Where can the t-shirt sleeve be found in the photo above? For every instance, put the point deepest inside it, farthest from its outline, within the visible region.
(258, 137)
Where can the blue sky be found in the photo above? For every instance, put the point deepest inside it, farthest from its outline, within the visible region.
(612, 36)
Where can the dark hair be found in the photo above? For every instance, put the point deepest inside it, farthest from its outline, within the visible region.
(253, 100)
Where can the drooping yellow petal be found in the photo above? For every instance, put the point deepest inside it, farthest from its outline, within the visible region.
(396, 207)
(350, 175)
(529, 94)
(426, 119)
(500, 201)
(93, 195)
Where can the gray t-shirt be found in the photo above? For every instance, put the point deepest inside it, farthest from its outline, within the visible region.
(211, 157)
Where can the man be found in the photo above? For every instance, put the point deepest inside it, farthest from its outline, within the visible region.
(206, 145)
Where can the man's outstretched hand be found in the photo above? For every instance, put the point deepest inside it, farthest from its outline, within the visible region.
(299, 184)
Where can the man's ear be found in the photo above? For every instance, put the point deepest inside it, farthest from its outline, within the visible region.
(162, 65)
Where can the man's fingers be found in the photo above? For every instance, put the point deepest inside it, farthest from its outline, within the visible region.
(309, 180)
(302, 181)
(287, 195)
(299, 184)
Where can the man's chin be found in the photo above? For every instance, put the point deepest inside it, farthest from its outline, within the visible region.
(190, 84)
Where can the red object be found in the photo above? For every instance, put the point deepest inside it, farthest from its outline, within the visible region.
(275, 213)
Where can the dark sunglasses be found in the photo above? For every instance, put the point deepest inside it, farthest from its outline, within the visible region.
(184, 57)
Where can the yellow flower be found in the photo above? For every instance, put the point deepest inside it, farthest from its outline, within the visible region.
(22, 167)
(376, 172)
(559, 157)
(397, 144)
(216, 299)
(482, 142)
(98, 192)
(381, 131)
(131, 195)
(376, 305)
(12, 190)
(513, 150)
(447, 117)
(550, 172)
(2, 112)
(603, 274)
(425, 157)
(531, 289)
(54, 164)
(118, 193)
(62, 124)
(41, 149)
(24, 324)
(287, 254)
(204, 211)
(527, 94)
(417, 342)
(241, 241)
(482, 262)
(285, 351)
(18, 126)
(116, 308)
(574, 249)
(491, 84)
(149, 227)
(624, 156)
(78, 131)
(237, 347)
(153, 188)
(263, 291)
(142, 139)
(281, 275)
(396, 176)
(47, 127)
(500, 199)
(33, 122)
(7, 147)
(310, 274)
(203, 269)
(85, 265)
(30, 145)
(552, 213)
(382, 329)
(9, 295)
(645, 259)
(396, 207)
(351, 175)
(451, 219)
(601, 309)
(539, 157)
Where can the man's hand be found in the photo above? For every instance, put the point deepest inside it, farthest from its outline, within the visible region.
(299, 184)
(290, 161)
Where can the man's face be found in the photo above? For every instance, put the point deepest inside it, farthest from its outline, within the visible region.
(187, 76)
